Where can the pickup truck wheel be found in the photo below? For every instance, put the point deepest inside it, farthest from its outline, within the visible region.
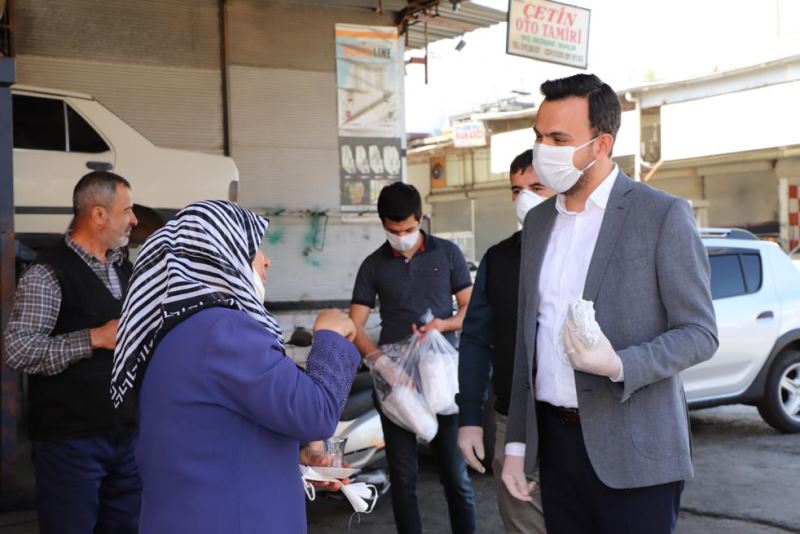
(149, 222)
(780, 406)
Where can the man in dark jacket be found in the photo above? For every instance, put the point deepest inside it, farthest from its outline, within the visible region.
(487, 349)
(62, 333)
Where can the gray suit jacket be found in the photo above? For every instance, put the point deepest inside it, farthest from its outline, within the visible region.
(649, 280)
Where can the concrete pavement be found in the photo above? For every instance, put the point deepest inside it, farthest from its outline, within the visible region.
(747, 482)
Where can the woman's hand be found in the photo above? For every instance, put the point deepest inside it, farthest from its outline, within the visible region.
(313, 454)
(336, 321)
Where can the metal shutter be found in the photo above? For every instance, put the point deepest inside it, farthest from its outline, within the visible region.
(284, 137)
(154, 63)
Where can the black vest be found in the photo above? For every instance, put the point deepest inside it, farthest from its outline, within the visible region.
(502, 291)
(76, 402)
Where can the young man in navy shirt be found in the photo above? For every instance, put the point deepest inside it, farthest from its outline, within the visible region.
(410, 273)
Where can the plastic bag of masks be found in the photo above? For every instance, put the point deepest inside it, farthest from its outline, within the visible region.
(416, 379)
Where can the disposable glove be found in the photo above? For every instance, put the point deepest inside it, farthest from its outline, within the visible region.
(470, 441)
(514, 478)
(601, 360)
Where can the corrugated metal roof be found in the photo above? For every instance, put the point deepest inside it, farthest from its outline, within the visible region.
(388, 5)
(448, 24)
(451, 23)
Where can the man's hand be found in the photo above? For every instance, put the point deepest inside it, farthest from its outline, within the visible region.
(437, 324)
(601, 360)
(470, 441)
(336, 321)
(359, 314)
(514, 478)
(104, 337)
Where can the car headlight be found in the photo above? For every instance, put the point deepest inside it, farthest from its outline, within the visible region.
(233, 190)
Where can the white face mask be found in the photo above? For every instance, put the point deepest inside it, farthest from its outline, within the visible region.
(526, 201)
(554, 165)
(402, 243)
(258, 286)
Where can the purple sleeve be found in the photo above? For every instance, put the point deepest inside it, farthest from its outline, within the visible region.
(332, 363)
(249, 374)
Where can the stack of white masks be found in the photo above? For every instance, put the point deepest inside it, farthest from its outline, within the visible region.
(406, 407)
(581, 314)
(361, 496)
(439, 376)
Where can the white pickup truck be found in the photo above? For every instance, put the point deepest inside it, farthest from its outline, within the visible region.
(59, 136)
(756, 292)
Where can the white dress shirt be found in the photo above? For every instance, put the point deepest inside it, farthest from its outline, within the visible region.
(562, 279)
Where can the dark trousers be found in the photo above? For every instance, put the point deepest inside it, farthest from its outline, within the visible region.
(87, 485)
(401, 453)
(576, 501)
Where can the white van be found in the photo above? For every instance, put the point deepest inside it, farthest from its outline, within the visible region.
(59, 136)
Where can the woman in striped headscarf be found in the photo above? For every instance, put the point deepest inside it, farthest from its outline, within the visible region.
(222, 409)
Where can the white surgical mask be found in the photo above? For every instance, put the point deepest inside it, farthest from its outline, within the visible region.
(526, 201)
(258, 286)
(403, 243)
(554, 165)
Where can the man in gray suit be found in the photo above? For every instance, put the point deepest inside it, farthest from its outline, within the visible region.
(608, 421)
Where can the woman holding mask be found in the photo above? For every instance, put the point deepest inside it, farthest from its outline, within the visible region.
(222, 410)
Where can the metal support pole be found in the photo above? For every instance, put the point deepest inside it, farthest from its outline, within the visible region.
(426, 53)
(8, 378)
(637, 154)
(225, 73)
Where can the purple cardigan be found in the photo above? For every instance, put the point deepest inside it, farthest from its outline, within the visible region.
(222, 415)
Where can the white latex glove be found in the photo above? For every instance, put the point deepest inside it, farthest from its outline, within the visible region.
(470, 441)
(601, 360)
(514, 478)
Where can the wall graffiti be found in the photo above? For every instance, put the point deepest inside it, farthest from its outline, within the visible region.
(314, 238)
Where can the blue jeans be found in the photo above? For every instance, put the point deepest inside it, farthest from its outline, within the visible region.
(401, 453)
(87, 485)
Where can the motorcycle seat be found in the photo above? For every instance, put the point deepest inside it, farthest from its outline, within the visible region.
(359, 401)
(362, 382)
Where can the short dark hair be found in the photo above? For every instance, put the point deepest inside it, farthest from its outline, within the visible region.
(605, 112)
(521, 162)
(98, 188)
(399, 201)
